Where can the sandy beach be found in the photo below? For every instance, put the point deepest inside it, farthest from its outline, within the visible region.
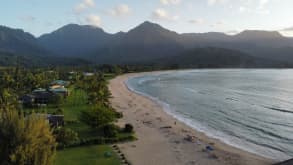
(162, 140)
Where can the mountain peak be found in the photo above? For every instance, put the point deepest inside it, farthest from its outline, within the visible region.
(18, 34)
(259, 34)
(77, 27)
(74, 39)
(148, 23)
(150, 28)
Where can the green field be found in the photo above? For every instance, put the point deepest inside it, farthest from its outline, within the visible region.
(72, 107)
(89, 155)
(74, 104)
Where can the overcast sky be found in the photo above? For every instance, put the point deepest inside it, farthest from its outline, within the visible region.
(229, 16)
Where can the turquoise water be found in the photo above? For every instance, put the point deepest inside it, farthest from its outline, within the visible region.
(251, 109)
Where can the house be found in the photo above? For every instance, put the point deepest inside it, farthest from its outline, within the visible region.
(56, 86)
(88, 74)
(60, 83)
(60, 91)
(42, 96)
(27, 100)
(55, 120)
(72, 75)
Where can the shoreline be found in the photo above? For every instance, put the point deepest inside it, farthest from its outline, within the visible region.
(163, 139)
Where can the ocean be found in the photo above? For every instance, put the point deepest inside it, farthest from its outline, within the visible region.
(251, 109)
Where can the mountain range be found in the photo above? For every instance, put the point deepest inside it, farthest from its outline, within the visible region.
(150, 43)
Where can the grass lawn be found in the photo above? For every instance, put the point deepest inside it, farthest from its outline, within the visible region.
(88, 155)
(74, 104)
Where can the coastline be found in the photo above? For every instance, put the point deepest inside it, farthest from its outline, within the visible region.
(162, 139)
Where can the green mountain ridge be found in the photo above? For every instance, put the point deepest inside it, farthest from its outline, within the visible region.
(143, 44)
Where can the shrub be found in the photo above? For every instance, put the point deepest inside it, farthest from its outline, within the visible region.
(25, 140)
(119, 115)
(110, 130)
(56, 100)
(59, 111)
(98, 116)
(128, 128)
(65, 136)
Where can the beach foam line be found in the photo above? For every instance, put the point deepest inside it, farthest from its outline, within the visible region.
(229, 140)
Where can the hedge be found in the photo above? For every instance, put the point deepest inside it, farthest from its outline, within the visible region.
(97, 140)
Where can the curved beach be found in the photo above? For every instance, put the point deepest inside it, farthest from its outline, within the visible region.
(164, 140)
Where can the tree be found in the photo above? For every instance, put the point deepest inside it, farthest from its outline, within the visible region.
(128, 128)
(65, 136)
(7, 99)
(25, 140)
(56, 100)
(97, 89)
(98, 116)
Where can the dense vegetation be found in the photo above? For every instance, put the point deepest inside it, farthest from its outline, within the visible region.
(8, 59)
(146, 44)
(25, 134)
(217, 58)
(25, 140)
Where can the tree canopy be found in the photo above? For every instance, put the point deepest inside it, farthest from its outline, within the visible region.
(25, 140)
(97, 116)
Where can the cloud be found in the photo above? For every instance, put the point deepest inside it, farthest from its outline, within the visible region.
(261, 11)
(196, 21)
(263, 2)
(288, 29)
(85, 4)
(162, 14)
(213, 2)
(89, 3)
(170, 2)
(94, 20)
(242, 9)
(120, 10)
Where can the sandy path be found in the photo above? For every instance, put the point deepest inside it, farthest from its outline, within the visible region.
(162, 142)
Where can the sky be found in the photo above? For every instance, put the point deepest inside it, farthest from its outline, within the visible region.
(183, 16)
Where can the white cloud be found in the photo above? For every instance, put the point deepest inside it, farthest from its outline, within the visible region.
(213, 2)
(261, 11)
(79, 8)
(89, 3)
(196, 21)
(162, 14)
(287, 31)
(263, 2)
(170, 2)
(120, 10)
(242, 9)
(85, 4)
(94, 20)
